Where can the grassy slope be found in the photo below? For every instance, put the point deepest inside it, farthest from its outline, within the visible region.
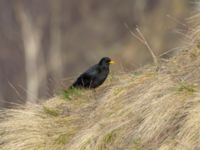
(143, 110)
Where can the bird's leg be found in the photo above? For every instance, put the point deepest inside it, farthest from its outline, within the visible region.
(94, 91)
(90, 84)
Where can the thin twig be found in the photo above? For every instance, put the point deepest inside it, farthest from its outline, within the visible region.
(29, 94)
(168, 51)
(15, 89)
(176, 20)
(148, 46)
(133, 34)
(143, 40)
(183, 34)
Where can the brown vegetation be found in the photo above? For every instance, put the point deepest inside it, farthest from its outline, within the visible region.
(40, 41)
(148, 109)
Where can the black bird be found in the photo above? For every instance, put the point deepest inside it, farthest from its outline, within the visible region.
(94, 76)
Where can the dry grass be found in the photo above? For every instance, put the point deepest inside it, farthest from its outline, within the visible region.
(143, 110)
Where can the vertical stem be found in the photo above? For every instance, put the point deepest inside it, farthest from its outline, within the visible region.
(31, 36)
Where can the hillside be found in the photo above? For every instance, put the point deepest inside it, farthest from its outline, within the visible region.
(35, 33)
(148, 109)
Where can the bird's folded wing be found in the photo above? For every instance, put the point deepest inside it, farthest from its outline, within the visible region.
(93, 71)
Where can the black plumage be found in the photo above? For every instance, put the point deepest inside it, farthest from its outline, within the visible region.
(94, 76)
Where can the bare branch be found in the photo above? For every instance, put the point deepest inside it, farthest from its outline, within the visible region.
(143, 40)
(148, 46)
(31, 37)
(133, 34)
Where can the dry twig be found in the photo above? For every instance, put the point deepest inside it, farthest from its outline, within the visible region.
(143, 40)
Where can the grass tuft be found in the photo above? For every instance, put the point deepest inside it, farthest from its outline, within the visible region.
(51, 111)
(107, 140)
(62, 139)
(137, 144)
(151, 110)
(185, 87)
(70, 93)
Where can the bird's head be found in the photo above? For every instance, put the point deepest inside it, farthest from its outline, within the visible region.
(106, 61)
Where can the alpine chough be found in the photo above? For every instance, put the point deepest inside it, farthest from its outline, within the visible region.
(94, 76)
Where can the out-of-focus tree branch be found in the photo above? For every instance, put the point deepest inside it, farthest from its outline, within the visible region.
(31, 36)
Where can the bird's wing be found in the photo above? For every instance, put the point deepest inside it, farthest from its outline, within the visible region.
(87, 76)
(92, 71)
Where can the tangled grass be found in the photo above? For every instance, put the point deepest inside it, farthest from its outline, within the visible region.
(148, 109)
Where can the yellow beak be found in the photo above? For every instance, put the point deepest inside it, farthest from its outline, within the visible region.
(111, 62)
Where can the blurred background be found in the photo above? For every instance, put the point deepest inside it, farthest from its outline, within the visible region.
(45, 44)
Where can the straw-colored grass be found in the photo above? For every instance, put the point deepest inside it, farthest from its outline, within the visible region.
(145, 110)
